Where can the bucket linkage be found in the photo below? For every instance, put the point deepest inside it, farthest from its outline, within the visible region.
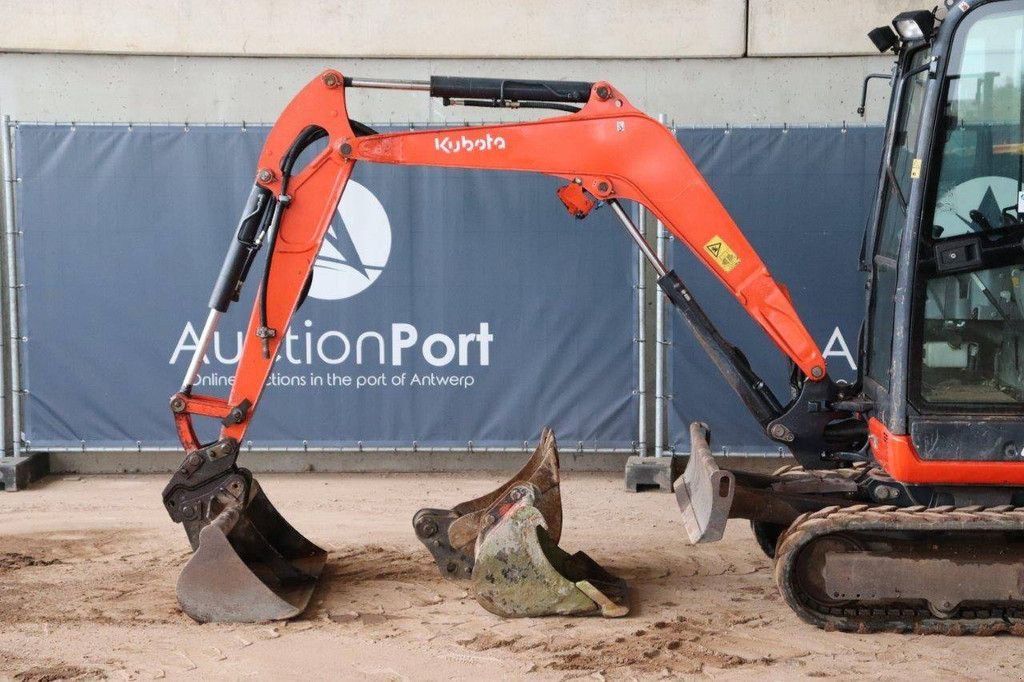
(506, 542)
(248, 563)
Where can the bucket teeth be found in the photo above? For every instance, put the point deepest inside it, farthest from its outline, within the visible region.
(450, 534)
(249, 564)
(521, 572)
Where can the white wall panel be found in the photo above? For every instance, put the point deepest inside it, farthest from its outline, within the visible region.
(821, 27)
(390, 28)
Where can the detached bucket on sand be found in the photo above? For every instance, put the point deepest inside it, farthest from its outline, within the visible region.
(521, 572)
(450, 534)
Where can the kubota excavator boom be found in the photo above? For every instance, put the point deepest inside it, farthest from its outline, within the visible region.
(903, 514)
(605, 149)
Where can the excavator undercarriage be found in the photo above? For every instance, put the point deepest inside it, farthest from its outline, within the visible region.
(938, 570)
(845, 560)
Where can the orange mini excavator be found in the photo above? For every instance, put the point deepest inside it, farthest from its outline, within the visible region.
(903, 512)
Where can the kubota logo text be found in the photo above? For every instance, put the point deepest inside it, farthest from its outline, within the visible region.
(448, 145)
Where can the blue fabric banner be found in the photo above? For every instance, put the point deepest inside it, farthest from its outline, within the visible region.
(447, 306)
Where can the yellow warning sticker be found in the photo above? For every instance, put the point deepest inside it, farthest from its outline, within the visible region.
(915, 169)
(722, 254)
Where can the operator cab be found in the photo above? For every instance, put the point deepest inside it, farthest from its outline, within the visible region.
(945, 323)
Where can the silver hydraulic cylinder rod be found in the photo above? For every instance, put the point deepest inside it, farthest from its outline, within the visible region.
(387, 84)
(638, 237)
(192, 373)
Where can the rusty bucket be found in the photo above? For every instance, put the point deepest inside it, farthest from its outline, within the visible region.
(450, 534)
(521, 572)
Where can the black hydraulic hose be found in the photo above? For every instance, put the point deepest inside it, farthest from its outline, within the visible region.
(361, 129)
(307, 137)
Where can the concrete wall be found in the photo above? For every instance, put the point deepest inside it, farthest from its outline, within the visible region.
(58, 87)
(698, 61)
(701, 62)
(780, 28)
(413, 28)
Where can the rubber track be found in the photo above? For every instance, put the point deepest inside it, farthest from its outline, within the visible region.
(913, 618)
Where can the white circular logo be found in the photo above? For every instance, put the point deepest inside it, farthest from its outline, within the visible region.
(355, 249)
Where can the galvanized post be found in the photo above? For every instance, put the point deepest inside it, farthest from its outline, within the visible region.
(659, 343)
(10, 232)
(641, 341)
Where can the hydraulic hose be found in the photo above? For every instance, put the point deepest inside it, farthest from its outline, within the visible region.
(305, 139)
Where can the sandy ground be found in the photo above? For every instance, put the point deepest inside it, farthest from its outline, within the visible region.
(88, 565)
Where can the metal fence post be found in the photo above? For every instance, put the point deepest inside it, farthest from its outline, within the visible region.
(641, 340)
(11, 260)
(659, 343)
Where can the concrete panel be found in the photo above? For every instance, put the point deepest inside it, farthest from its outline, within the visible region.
(50, 87)
(820, 27)
(428, 28)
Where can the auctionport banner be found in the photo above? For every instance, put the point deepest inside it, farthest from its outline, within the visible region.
(802, 197)
(446, 307)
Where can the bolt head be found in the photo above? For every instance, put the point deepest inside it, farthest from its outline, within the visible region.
(428, 529)
(817, 372)
(604, 92)
(603, 187)
(177, 405)
(331, 80)
(345, 148)
(265, 175)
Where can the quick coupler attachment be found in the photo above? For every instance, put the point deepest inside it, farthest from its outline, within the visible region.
(450, 534)
(521, 572)
(248, 565)
(704, 492)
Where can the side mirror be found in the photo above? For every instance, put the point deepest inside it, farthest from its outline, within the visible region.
(864, 89)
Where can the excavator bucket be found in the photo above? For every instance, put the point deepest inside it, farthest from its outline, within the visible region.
(249, 564)
(450, 534)
(521, 572)
(704, 492)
